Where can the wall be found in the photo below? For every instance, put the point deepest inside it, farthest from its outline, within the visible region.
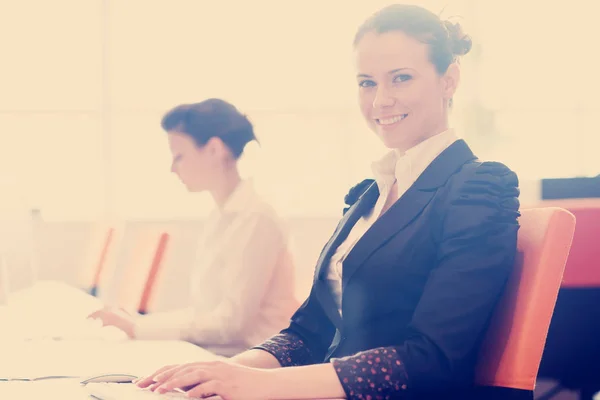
(63, 251)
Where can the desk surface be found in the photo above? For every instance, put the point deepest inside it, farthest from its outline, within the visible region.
(35, 359)
(65, 389)
(49, 309)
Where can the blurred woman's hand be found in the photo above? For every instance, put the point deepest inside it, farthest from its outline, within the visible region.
(116, 317)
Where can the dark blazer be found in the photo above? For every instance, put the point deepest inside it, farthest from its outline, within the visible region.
(418, 288)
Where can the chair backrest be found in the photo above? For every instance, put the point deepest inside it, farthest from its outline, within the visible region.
(98, 258)
(583, 264)
(513, 346)
(155, 267)
(139, 265)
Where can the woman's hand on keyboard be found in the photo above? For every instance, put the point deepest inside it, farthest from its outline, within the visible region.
(149, 380)
(204, 379)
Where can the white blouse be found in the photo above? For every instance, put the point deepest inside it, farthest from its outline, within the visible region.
(242, 286)
(395, 168)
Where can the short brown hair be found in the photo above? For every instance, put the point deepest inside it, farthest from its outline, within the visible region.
(211, 118)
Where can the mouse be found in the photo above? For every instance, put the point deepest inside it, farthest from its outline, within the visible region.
(110, 378)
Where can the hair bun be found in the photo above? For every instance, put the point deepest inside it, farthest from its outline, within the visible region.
(460, 42)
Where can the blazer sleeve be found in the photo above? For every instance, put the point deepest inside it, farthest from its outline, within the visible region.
(310, 333)
(476, 250)
(307, 338)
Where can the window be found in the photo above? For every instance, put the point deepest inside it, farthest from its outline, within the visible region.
(57, 157)
(538, 80)
(50, 105)
(86, 84)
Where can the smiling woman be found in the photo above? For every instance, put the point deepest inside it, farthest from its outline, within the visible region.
(406, 88)
(405, 287)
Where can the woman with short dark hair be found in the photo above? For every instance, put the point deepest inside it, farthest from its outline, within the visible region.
(242, 284)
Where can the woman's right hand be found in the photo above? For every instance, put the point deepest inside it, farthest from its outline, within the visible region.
(146, 381)
(226, 379)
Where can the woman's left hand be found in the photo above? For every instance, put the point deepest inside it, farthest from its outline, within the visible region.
(116, 317)
(225, 379)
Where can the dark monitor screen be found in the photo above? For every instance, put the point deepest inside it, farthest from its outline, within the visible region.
(570, 188)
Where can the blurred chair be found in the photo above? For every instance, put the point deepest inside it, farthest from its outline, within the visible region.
(512, 349)
(572, 353)
(98, 258)
(155, 267)
(138, 270)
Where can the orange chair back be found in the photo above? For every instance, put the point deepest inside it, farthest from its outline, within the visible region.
(139, 268)
(512, 349)
(98, 258)
(155, 267)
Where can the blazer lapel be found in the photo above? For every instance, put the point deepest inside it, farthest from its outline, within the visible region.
(409, 206)
(360, 208)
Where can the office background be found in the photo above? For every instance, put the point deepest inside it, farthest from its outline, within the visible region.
(85, 83)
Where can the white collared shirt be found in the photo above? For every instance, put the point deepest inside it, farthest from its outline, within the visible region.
(394, 168)
(242, 285)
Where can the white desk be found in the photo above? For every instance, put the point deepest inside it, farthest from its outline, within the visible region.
(89, 359)
(27, 360)
(50, 309)
(64, 389)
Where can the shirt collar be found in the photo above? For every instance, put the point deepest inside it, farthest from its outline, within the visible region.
(240, 198)
(396, 165)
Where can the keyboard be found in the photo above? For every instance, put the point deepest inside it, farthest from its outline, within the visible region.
(126, 391)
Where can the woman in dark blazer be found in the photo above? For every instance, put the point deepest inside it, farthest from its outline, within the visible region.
(404, 289)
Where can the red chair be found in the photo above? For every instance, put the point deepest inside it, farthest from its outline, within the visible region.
(572, 354)
(98, 258)
(511, 352)
(155, 267)
(139, 269)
